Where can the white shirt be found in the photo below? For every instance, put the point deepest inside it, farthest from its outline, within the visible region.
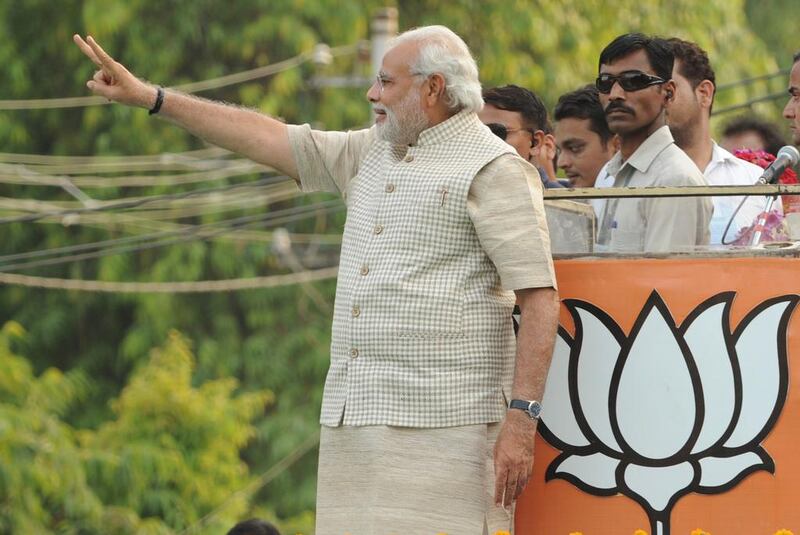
(604, 180)
(725, 169)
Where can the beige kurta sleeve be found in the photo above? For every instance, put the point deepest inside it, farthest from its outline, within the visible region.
(326, 161)
(505, 205)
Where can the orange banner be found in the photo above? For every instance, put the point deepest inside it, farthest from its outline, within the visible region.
(670, 405)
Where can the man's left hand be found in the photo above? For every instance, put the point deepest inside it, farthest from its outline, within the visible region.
(513, 457)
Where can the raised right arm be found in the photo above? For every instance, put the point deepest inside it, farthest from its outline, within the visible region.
(246, 132)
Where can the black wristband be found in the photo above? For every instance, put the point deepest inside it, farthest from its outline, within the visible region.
(159, 101)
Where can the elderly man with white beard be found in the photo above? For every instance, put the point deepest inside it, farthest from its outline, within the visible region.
(430, 407)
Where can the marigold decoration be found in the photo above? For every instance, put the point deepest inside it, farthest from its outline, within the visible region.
(699, 531)
(783, 532)
(640, 532)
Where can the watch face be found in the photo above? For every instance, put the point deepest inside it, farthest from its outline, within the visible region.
(535, 409)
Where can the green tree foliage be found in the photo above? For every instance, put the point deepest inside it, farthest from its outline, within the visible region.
(168, 457)
(275, 340)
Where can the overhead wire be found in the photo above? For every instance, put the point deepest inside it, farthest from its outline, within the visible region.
(191, 87)
(135, 203)
(51, 159)
(225, 285)
(22, 175)
(161, 239)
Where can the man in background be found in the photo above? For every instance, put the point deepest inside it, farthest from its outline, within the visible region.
(519, 117)
(689, 118)
(585, 144)
(753, 133)
(635, 86)
(792, 109)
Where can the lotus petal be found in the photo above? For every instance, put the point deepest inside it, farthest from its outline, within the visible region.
(721, 473)
(558, 414)
(599, 351)
(761, 349)
(655, 399)
(595, 473)
(706, 336)
(658, 485)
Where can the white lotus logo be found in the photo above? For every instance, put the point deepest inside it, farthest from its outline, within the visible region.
(666, 410)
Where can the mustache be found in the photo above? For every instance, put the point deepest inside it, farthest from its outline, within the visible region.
(616, 105)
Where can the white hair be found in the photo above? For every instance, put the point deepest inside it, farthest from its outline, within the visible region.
(442, 51)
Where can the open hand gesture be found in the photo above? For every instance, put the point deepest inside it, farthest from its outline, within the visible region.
(113, 81)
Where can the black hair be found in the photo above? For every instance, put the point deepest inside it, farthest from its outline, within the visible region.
(796, 58)
(658, 51)
(773, 140)
(521, 100)
(695, 65)
(584, 103)
(254, 526)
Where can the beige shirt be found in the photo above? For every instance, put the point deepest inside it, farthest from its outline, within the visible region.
(505, 200)
(652, 224)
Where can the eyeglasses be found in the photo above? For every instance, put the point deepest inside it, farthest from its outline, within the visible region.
(628, 80)
(502, 131)
(383, 80)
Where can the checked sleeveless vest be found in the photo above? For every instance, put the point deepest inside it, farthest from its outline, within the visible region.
(422, 335)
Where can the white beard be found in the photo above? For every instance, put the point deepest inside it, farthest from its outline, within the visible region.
(405, 122)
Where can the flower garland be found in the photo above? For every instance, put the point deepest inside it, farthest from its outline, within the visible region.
(774, 228)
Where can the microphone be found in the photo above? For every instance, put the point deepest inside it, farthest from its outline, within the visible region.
(788, 156)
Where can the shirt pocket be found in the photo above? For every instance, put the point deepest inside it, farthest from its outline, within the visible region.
(627, 240)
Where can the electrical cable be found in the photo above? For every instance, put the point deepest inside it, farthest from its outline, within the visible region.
(121, 245)
(141, 201)
(226, 285)
(192, 87)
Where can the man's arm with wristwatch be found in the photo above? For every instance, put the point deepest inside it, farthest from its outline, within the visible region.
(513, 452)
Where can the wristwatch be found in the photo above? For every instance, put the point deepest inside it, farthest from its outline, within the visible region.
(532, 408)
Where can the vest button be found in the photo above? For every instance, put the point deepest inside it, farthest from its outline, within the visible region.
(364, 269)
(356, 311)
(354, 353)
(378, 229)
(409, 158)
(389, 188)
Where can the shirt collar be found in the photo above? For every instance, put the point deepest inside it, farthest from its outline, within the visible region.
(719, 155)
(643, 156)
(447, 128)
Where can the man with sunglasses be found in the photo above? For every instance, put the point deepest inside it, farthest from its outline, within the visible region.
(416, 435)
(518, 116)
(636, 87)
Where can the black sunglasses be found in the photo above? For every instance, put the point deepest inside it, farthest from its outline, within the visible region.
(502, 131)
(628, 80)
